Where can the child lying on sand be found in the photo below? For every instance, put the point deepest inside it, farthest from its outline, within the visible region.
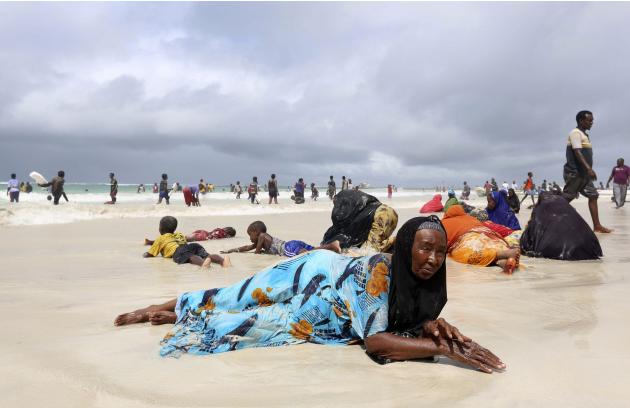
(173, 245)
(203, 235)
(263, 242)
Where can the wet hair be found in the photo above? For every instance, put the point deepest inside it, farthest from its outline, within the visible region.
(164, 176)
(13, 175)
(168, 224)
(61, 173)
(229, 231)
(257, 226)
(581, 115)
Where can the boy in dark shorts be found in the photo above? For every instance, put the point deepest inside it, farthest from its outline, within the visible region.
(171, 244)
(314, 192)
(265, 243)
(164, 190)
(578, 170)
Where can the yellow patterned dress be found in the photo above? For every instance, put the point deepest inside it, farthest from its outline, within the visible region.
(479, 246)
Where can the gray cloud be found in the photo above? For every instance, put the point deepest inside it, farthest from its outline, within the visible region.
(410, 93)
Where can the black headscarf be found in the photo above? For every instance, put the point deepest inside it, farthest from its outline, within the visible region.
(352, 217)
(557, 231)
(413, 301)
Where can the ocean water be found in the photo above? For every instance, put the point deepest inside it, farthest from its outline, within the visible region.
(86, 202)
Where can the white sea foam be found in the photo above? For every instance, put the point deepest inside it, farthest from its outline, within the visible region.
(35, 209)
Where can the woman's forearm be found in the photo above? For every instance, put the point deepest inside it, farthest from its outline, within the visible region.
(399, 348)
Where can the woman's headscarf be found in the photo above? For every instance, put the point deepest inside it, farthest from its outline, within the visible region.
(434, 205)
(557, 231)
(352, 217)
(413, 301)
(502, 214)
(456, 223)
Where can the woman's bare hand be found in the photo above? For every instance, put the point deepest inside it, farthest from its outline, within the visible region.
(441, 328)
(472, 354)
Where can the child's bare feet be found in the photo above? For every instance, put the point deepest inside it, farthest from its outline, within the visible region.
(207, 263)
(131, 318)
(226, 262)
(147, 241)
(162, 317)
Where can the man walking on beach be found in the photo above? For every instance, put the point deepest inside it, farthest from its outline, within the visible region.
(528, 188)
(578, 170)
(621, 177)
(344, 183)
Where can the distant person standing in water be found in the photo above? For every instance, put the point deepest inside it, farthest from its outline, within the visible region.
(238, 190)
(390, 189)
(156, 189)
(332, 188)
(465, 192)
(621, 177)
(163, 190)
(113, 188)
(578, 170)
(56, 187)
(272, 188)
(344, 183)
(13, 190)
(252, 190)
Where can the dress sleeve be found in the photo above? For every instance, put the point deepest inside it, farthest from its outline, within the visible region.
(368, 308)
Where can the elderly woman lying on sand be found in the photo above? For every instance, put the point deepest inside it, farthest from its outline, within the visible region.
(392, 303)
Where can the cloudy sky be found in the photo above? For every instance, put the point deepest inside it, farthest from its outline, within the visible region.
(414, 94)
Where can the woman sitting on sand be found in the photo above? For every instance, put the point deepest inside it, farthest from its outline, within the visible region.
(471, 242)
(452, 200)
(499, 210)
(361, 220)
(433, 205)
(392, 303)
(557, 231)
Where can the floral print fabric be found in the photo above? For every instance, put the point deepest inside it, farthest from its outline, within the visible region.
(319, 297)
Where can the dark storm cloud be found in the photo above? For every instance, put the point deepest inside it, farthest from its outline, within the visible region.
(413, 93)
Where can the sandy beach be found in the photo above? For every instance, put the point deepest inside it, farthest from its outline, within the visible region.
(559, 326)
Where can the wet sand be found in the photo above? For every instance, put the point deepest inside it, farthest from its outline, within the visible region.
(559, 326)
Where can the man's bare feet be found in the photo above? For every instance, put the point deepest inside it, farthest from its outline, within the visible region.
(602, 229)
(162, 317)
(226, 262)
(139, 316)
(207, 263)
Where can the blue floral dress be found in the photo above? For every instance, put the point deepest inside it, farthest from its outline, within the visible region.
(319, 297)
